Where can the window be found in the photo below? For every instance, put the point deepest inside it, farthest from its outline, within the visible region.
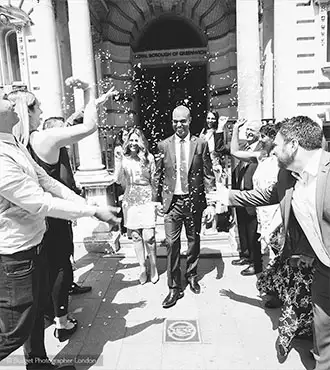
(12, 57)
(328, 38)
(9, 57)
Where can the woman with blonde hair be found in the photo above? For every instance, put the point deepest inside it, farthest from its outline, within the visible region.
(45, 148)
(135, 172)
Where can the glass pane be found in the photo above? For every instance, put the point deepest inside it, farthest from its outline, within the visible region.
(14, 58)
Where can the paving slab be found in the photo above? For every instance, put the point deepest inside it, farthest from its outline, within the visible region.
(122, 323)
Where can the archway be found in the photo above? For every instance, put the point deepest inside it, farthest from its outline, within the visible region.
(168, 82)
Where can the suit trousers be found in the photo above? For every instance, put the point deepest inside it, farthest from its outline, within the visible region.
(182, 212)
(321, 311)
(23, 296)
(248, 237)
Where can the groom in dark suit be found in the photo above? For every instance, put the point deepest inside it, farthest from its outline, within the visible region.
(183, 173)
(302, 188)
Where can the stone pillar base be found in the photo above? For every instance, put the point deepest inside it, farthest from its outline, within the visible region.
(94, 234)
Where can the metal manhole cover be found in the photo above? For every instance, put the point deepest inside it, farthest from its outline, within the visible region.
(182, 331)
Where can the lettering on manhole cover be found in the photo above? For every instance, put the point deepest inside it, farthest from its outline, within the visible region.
(182, 331)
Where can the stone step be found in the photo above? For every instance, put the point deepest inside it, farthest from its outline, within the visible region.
(213, 243)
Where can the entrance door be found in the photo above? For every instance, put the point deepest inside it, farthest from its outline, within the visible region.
(161, 89)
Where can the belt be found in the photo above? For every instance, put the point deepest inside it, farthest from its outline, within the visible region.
(36, 250)
(181, 196)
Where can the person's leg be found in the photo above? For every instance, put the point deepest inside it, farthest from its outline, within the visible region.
(322, 337)
(19, 292)
(242, 215)
(150, 244)
(254, 243)
(192, 222)
(140, 254)
(60, 292)
(34, 347)
(173, 226)
(321, 312)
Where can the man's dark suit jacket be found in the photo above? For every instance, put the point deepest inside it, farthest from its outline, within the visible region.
(281, 192)
(244, 171)
(200, 173)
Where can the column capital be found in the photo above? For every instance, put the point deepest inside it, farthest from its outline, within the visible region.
(10, 15)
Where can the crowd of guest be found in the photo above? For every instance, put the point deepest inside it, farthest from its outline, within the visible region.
(278, 178)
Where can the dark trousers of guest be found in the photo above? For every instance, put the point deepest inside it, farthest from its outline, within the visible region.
(182, 213)
(321, 311)
(248, 237)
(58, 243)
(24, 290)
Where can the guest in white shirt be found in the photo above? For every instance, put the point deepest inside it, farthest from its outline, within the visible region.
(301, 188)
(27, 196)
(183, 175)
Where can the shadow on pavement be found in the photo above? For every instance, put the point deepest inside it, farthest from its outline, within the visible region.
(100, 320)
(273, 314)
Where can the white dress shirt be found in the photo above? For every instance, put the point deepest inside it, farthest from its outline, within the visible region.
(27, 196)
(178, 187)
(304, 206)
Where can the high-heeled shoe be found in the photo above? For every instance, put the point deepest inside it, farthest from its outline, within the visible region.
(154, 278)
(64, 334)
(143, 277)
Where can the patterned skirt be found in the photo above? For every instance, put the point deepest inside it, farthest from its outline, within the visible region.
(293, 287)
(138, 208)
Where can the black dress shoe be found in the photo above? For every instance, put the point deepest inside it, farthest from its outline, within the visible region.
(240, 262)
(76, 289)
(64, 334)
(250, 271)
(194, 286)
(172, 297)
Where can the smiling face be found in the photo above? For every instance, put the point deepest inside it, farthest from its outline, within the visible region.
(284, 151)
(134, 143)
(181, 120)
(35, 116)
(211, 120)
(252, 134)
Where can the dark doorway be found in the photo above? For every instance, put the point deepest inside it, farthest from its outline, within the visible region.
(170, 32)
(161, 89)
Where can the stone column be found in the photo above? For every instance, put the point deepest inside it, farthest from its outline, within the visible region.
(91, 173)
(248, 60)
(268, 59)
(83, 67)
(285, 70)
(50, 82)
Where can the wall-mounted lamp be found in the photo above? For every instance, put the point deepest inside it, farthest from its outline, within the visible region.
(4, 20)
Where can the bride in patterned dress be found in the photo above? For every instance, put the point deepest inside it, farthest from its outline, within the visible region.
(136, 167)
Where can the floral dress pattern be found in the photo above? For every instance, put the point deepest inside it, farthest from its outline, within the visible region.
(293, 287)
(138, 208)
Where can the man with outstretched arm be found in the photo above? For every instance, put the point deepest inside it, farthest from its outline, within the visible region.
(27, 196)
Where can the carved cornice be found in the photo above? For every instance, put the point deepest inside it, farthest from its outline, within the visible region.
(12, 16)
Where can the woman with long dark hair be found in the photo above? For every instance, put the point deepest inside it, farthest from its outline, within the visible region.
(135, 173)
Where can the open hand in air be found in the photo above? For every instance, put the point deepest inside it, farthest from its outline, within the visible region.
(240, 122)
(77, 83)
(104, 97)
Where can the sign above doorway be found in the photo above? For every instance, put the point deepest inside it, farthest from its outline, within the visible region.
(166, 57)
